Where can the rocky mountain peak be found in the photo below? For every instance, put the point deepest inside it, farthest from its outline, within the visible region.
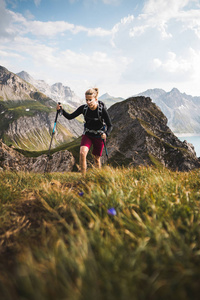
(12, 87)
(175, 91)
(56, 91)
(25, 76)
(105, 96)
(182, 110)
(152, 93)
(141, 136)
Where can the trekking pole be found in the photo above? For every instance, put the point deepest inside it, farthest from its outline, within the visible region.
(53, 132)
(104, 142)
(105, 148)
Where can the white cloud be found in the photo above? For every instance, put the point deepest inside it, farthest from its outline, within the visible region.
(159, 13)
(137, 30)
(7, 54)
(173, 64)
(5, 20)
(120, 29)
(164, 8)
(19, 25)
(98, 32)
(50, 29)
(39, 28)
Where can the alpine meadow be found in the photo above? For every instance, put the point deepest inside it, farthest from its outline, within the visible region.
(104, 236)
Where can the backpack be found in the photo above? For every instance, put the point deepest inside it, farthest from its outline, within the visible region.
(101, 105)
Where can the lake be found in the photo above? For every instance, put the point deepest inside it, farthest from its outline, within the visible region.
(193, 139)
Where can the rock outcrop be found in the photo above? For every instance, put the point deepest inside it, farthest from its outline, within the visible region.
(10, 159)
(141, 136)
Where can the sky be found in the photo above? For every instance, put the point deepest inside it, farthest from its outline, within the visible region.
(123, 47)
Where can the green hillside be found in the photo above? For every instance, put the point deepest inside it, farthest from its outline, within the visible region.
(59, 240)
(32, 138)
(13, 110)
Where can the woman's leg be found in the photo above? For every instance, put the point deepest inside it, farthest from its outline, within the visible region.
(97, 151)
(82, 159)
(97, 161)
(86, 143)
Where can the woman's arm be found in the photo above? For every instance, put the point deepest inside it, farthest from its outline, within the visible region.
(75, 114)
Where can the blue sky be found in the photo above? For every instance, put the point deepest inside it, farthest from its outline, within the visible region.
(122, 46)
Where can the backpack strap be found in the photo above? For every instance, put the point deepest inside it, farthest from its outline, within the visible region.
(85, 109)
(100, 111)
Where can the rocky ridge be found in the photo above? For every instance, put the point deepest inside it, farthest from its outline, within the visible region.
(10, 159)
(141, 136)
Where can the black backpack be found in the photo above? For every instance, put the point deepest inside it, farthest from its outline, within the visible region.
(101, 105)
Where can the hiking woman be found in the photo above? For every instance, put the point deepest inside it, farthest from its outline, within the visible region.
(96, 128)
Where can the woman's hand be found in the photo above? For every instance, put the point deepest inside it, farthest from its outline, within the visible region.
(103, 136)
(59, 106)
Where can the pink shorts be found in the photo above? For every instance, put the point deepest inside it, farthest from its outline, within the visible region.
(97, 143)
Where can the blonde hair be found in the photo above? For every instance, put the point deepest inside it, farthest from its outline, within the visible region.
(93, 91)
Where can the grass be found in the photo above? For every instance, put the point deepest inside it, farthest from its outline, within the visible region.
(13, 110)
(20, 108)
(57, 240)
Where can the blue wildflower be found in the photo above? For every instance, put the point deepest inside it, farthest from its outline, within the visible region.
(112, 211)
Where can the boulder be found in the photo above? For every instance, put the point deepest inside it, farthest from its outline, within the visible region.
(10, 159)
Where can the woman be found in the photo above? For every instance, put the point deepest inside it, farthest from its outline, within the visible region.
(96, 128)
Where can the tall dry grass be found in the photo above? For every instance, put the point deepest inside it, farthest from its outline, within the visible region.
(59, 241)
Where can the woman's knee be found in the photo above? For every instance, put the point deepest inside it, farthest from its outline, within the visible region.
(83, 151)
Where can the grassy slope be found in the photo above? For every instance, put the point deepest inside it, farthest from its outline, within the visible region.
(17, 109)
(73, 147)
(56, 243)
(29, 108)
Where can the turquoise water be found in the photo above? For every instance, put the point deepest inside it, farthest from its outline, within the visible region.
(195, 140)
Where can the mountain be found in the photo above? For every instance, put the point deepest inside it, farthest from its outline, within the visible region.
(13, 87)
(57, 91)
(181, 110)
(140, 136)
(27, 116)
(110, 100)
